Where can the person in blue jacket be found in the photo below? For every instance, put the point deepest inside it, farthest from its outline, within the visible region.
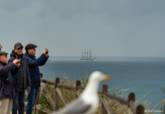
(35, 74)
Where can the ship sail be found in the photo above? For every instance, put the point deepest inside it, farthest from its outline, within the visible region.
(87, 55)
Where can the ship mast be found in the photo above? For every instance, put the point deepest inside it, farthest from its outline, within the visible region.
(87, 55)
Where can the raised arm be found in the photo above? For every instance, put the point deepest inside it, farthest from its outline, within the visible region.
(37, 62)
(7, 68)
(42, 59)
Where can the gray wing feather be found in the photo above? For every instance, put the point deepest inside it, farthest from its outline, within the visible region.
(76, 107)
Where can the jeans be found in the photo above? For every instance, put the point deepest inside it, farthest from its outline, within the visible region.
(32, 99)
(18, 103)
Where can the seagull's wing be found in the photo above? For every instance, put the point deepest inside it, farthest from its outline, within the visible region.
(76, 107)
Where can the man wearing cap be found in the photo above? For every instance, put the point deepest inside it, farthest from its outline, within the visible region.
(35, 74)
(7, 89)
(21, 77)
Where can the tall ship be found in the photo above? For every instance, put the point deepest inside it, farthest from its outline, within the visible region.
(87, 55)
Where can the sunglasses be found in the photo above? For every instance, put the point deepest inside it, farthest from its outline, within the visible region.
(19, 48)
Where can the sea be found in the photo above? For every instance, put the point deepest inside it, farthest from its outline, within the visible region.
(145, 78)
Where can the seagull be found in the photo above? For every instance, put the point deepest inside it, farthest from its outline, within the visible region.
(88, 102)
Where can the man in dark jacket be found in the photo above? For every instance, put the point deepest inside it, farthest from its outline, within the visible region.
(21, 78)
(7, 89)
(35, 74)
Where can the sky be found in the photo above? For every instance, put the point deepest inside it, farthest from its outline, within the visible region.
(113, 28)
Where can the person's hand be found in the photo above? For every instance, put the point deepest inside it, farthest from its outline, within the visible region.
(46, 52)
(17, 62)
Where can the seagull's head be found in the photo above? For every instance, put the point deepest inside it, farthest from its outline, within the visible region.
(98, 76)
(92, 87)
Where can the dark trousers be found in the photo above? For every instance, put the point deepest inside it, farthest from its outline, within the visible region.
(18, 103)
(32, 99)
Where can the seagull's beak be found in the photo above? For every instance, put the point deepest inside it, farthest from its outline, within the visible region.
(106, 77)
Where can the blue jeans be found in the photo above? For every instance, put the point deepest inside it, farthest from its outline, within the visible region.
(18, 103)
(32, 99)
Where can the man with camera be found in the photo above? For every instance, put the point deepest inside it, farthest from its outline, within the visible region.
(7, 89)
(21, 78)
(35, 74)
